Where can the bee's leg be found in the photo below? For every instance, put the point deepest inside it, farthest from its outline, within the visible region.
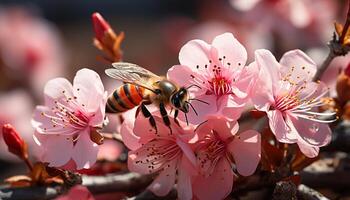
(137, 111)
(148, 115)
(176, 113)
(165, 117)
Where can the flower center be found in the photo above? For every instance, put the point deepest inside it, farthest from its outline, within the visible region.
(219, 84)
(286, 102)
(66, 114)
(209, 152)
(159, 153)
(302, 104)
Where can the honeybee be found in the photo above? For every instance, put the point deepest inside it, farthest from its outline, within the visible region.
(142, 87)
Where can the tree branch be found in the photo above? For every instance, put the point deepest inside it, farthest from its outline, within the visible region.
(336, 48)
(306, 193)
(129, 182)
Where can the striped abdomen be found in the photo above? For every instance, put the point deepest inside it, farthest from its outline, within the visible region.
(124, 98)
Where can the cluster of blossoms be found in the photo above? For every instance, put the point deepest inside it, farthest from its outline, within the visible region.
(204, 157)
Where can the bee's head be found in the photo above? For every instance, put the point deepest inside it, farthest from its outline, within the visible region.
(179, 100)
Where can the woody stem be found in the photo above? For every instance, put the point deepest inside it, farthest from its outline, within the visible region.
(28, 163)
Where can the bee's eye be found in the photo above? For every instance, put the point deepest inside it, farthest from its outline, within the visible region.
(175, 101)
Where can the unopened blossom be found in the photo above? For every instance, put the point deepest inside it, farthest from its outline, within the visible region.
(166, 153)
(286, 92)
(66, 125)
(106, 39)
(218, 146)
(14, 141)
(215, 74)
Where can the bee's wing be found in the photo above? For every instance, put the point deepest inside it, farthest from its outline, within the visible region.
(132, 73)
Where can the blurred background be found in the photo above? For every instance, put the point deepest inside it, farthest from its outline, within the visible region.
(40, 40)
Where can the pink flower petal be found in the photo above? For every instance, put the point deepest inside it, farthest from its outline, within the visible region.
(245, 82)
(307, 149)
(231, 107)
(193, 53)
(57, 89)
(222, 126)
(187, 151)
(216, 186)
(279, 127)
(184, 188)
(202, 109)
(313, 133)
(137, 160)
(85, 151)
(227, 45)
(128, 136)
(44, 125)
(269, 69)
(246, 150)
(268, 75)
(165, 181)
(55, 149)
(303, 67)
(88, 89)
(144, 130)
(181, 75)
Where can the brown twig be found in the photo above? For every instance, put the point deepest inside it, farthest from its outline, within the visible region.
(306, 193)
(129, 182)
(148, 195)
(336, 48)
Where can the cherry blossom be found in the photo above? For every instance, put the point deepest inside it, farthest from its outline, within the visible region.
(66, 126)
(167, 153)
(218, 145)
(30, 47)
(215, 74)
(286, 92)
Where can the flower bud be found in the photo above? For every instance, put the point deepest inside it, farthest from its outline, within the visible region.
(343, 85)
(14, 142)
(101, 26)
(106, 39)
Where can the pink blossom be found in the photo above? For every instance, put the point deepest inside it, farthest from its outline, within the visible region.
(66, 125)
(286, 92)
(218, 144)
(78, 192)
(16, 108)
(165, 153)
(216, 74)
(30, 47)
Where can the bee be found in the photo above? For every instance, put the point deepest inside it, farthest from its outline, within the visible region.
(142, 87)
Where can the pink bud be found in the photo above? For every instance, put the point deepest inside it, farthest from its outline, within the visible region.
(100, 25)
(14, 142)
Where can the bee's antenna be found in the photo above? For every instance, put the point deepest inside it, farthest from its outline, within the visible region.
(200, 125)
(192, 107)
(186, 119)
(199, 101)
(193, 85)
